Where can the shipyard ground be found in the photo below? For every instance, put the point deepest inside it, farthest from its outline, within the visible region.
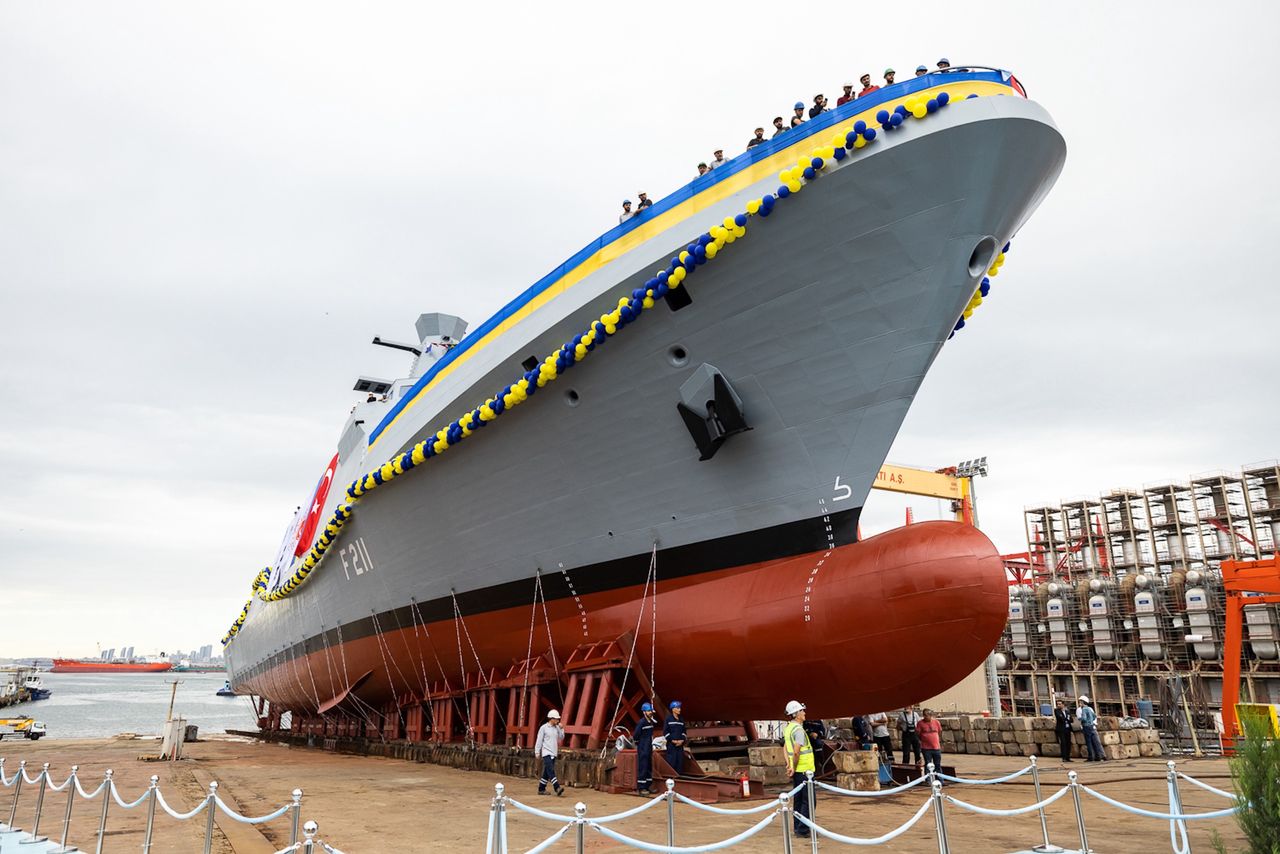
(369, 804)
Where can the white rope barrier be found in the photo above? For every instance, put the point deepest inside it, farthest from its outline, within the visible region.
(204, 802)
(244, 819)
(87, 795)
(551, 816)
(10, 781)
(850, 793)
(1009, 812)
(1219, 792)
(550, 840)
(1163, 816)
(693, 849)
(115, 794)
(29, 781)
(628, 813)
(969, 781)
(771, 805)
(878, 840)
(65, 783)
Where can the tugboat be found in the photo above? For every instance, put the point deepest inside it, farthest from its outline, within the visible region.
(225, 690)
(35, 687)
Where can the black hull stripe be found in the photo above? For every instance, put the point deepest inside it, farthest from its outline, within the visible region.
(774, 543)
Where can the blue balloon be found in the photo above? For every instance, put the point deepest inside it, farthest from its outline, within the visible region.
(660, 291)
(816, 163)
(783, 191)
(699, 251)
(838, 155)
(967, 97)
(704, 240)
(768, 201)
(952, 335)
(765, 211)
(960, 323)
(638, 293)
(984, 289)
(882, 116)
(859, 126)
(809, 173)
(869, 134)
(852, 136)
(944, 98)
(625, 312)
(662, 277)
(1006, 247)
(901, 110)
(931, 106)
(896, 120)
(740, 220)
(691, 247)
(986, 281)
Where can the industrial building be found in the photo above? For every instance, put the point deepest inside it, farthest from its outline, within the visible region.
(1120, 598)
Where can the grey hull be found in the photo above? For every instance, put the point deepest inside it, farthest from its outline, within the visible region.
(824, 319)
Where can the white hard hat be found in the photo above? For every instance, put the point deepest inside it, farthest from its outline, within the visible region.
(553, 714)
(1084, 698)
(795, 706)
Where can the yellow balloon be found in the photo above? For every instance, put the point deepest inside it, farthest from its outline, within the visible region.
(647, 302)
(753, 206)
(794, 186)
(739, 232)
(728, 222)
(860, 142)
(732, 237)
(784, 176)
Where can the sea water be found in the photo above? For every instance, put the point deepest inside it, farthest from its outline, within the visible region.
(100, 705)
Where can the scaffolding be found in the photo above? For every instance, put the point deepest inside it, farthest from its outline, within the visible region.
(1120, 597)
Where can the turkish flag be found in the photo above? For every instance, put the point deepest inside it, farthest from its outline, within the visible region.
(308, 532)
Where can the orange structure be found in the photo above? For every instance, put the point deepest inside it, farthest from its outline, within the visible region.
(1238, 578)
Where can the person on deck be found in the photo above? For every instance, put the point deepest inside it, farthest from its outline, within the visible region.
(819, 106)
(798, 118)
(645, 202)
(718, 158)
(643, 737)
(674, 732)
(921, 70)
(779, 127)
(888, 76)
(757, 139)
(1062, 729)
(867, 88)
(627, 213)
(547, 748)
(1089, 726)
(944, 64)
(847, 96)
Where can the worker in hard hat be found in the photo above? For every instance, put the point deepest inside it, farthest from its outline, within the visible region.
(1089, 726)
(799, 750)
(547, 747)
(674, 732)
(643, 737)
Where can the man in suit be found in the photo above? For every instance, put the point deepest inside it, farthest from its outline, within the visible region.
(1062, 729)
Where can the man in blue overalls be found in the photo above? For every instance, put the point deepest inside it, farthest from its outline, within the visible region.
(643, 737)
(673, 732)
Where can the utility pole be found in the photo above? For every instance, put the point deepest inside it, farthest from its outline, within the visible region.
(173, 695)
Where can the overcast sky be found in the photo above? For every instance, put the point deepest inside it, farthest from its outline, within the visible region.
(207, 211)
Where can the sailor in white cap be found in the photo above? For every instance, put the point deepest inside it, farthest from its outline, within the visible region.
(547, 748)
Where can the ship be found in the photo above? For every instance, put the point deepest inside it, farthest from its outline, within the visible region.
(188, 667)
(94, 665)
(684, 472)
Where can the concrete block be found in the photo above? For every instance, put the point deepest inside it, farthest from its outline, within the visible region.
(979, 736)
(1148, 736)
(859, 782)
(1049, 750)
(1113, 751)
(1018, 724)
(981, 723)
(1128, 736)
(1150, 749)
(1109, 737)
(770, 775)
(983, 748)
(1023, 737)
(1108, 722)
(1130, 751)
(771, 755)
(1041, 724)
(964, 722)
(855, 761)
(996, 749)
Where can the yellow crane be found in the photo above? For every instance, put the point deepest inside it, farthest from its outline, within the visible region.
(954, 483)
(23, 726)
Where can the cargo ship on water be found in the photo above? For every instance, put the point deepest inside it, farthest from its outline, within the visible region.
(686, 469)
(95, 665)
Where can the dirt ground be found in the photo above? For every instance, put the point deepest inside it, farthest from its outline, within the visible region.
(369, 804)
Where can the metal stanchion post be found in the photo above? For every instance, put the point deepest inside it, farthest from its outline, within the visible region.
(210, 808)
(310, 829)
(811, 796)
(297, 817)
(35, 828)
(785, 800)
(939, 820)
(66, 818)
(671, 813)
(580, 814)
(151, 813)
(1045, 847)
(502, 821)
(491, 845)
(1075, 796)
(102, 819)
(1175, 803)
(17, 790)
(931, 773)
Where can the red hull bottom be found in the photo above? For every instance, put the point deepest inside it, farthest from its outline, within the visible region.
(873, 625)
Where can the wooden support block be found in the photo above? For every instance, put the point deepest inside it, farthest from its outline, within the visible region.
(1128, 736)
(771, 755)
(855, 761)
(867, 782)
